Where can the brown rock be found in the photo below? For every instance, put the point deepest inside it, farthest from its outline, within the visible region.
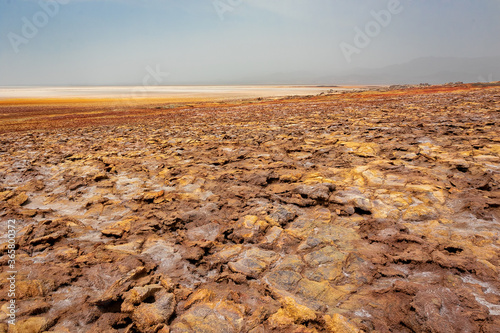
(107, 321)
(149, 317)
(116, 290)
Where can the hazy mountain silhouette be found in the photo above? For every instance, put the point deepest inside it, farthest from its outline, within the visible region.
(431, 70)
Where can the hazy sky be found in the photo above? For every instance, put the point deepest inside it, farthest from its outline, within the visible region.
(107, 42)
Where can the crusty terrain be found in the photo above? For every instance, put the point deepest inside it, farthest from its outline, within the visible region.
(373, 211)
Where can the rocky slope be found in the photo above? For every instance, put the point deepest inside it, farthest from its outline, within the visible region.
(357, 212)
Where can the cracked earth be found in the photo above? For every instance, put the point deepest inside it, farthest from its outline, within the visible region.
(373, 211)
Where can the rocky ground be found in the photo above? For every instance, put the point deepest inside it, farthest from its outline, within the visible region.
(356, 212)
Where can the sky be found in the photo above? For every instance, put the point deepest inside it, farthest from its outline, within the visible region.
(152, 42)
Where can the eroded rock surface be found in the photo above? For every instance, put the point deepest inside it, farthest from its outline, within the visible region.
(357, 212)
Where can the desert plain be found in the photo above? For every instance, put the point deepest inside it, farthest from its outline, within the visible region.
(343, 210)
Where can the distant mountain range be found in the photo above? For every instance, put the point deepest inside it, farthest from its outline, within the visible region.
(431, 70)
(424, 70)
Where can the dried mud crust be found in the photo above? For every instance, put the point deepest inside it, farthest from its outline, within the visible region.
(366, 212)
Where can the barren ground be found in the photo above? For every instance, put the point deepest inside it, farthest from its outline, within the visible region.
(373, 211)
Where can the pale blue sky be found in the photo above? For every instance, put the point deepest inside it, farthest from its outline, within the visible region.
(109, 42)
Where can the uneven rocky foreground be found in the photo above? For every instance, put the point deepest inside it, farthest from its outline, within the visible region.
(370, 211)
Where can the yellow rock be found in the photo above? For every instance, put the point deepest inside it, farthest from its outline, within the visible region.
(291, 176)
(129, 248)
(400, 200)
(373, 177)
(186, 180)
(362, 149)
(230, 251)
(30, 288)
(119, 228)
(5, 195)
(19, 199)
(30, 325)
(200, 295)
(316, 178)
(211, 318)
(339, 324)
(420, 188)
(252, 221)
(291, 313)
(152, 195)
(419, 212)
(381, 210)
(280, 319)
